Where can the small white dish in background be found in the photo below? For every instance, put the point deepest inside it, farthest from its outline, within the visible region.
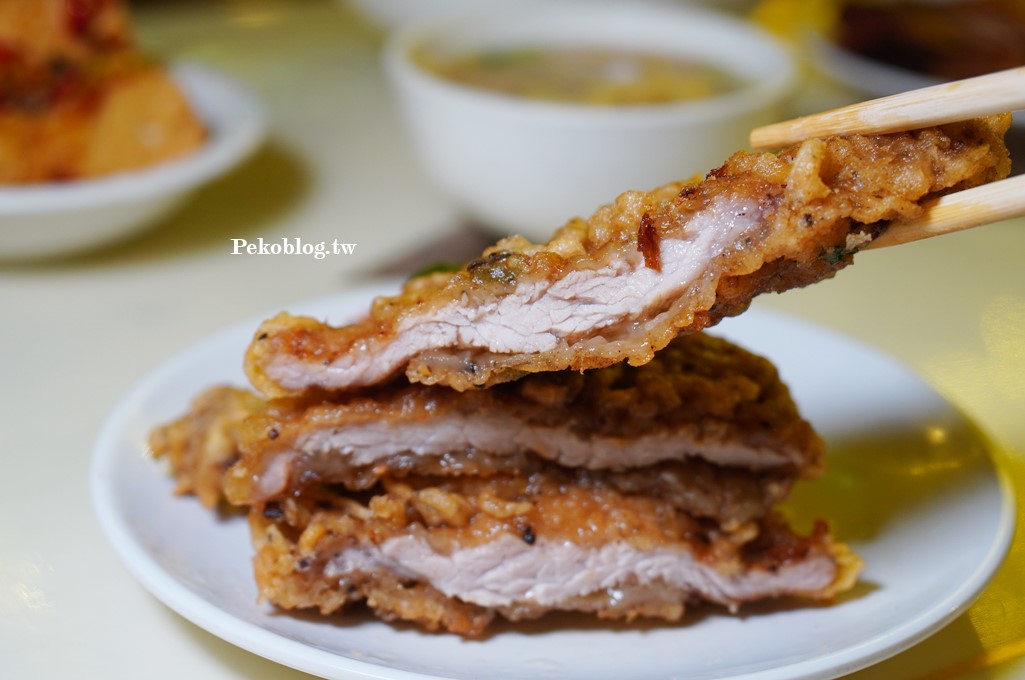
(866, 78)
(394, 13)
(390, 14)
(48, 220)
(860, 74)
(526, 166)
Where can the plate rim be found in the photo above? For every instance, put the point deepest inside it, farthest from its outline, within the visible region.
(276, 647)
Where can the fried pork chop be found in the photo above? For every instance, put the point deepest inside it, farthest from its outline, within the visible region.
(201, 445)
(643, 269)
(213, 456)
(624, 491)
(450, 554)
(706, 425)
(701, 397)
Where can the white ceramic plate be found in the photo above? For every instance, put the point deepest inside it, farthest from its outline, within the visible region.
(910, 486)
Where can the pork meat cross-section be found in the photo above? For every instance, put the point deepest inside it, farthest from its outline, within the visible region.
(706, 425)
(451, 554)
(641, 270)
(704, 409)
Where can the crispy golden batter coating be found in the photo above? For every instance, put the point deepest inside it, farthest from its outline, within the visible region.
(397, 549)
(640, 271)
(204, 447)
(700, 404)
(203, 444)
(706, 426)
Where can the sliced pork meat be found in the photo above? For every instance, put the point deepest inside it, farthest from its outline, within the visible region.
(705, 423)
(641, 270)
(451, 554)
(701, 398)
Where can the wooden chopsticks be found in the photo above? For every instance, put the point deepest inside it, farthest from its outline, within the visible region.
(955, 212)
(960, 100)
(936, 105)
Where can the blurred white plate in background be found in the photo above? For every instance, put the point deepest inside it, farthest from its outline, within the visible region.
(62, 218)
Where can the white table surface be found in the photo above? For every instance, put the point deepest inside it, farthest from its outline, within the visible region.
(77, 333)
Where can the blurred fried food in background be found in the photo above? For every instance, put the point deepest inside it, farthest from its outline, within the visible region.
(946, 40)
(78, 100)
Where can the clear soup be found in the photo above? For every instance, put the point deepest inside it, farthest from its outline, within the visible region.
(599, 76)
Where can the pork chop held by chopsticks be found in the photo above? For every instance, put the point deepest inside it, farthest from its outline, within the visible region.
(641, 270)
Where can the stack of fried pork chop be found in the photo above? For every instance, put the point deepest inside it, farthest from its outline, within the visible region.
(549, 428)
